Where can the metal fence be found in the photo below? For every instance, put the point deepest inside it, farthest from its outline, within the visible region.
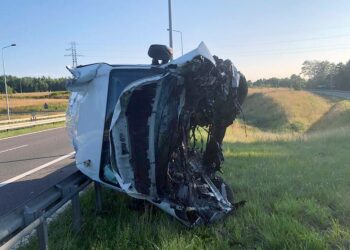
(34, 213)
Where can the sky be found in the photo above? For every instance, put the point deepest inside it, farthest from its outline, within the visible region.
(264, 39)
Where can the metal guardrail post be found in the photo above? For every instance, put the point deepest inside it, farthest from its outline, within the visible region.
(32, 215)
(43, 235)
(76, 213)
(98, 197)
(28, 215)
(21, 234)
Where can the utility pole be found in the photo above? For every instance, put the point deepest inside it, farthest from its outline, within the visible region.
(3, 67)
(73, 54)
(170, 26)
(182, 46)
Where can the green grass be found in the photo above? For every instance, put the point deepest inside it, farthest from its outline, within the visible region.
(30, 129)
(284, 110)
(39, 95)
(55, 107)
(27, 103)
(297, 188)
(338, 116)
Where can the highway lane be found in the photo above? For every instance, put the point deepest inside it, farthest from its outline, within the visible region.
(335, 93)
(31, 163)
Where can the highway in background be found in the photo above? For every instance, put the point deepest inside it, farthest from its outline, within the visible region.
(29, 164)
(335, 93)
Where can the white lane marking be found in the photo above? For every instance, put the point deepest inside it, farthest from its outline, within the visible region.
(10, 149)
(4, 183)
(31, 133)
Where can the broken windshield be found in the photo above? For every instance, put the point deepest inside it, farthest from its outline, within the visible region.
(118, 80)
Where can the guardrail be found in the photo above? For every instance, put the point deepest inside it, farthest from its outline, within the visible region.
(30, 119)
(34, 213)
(30, 124)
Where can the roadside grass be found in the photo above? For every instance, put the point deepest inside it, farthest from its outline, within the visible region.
(39, 95)
(23, 104)
(296, 184)
(31, 105)
(284, 110)
(30, 129)
(338, 116)
(297, 193)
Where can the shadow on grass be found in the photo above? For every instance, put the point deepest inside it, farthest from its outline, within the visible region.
(262, 112)
(289, 185)
(338, 116)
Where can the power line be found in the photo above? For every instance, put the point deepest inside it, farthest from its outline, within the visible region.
(313, 38)
(293, 51)
(73, 54)
(271, 42)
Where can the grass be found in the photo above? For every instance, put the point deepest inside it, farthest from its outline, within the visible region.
(39, 95)
(338, 116)
(29, 105)
(296, 185)
(30, 129)
(284, 110)
(26, 103)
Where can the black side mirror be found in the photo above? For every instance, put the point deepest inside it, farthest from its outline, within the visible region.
(159, 52)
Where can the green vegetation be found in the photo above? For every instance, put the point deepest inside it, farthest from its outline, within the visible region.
(39, 95)
(52, 107)
(294, 81)
(33, 84)
(30, 129)
(284, 110)
(296, 186)
(319, 74)
(24, 104)
(338, 116)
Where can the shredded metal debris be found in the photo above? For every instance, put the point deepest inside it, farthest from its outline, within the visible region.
(155, 131)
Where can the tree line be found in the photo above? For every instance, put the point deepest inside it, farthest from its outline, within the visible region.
(314, 74)
(32, 84)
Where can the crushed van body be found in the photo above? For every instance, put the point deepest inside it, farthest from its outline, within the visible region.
(155, 131)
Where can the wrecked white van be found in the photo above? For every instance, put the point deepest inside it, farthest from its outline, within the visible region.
(155, 131)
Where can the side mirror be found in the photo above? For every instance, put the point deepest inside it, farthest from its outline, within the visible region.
(159, 52)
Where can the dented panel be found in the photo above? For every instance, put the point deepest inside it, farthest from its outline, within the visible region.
(160, 138)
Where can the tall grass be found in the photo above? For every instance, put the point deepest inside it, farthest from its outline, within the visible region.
(35, 102)
(296, 186)
(284, 110)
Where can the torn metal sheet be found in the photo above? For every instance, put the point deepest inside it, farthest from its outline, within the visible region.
(155, 131)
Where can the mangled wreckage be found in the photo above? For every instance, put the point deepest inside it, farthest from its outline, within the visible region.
(155, 131)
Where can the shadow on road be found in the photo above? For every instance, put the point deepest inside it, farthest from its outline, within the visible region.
(17, 193)
(36, 158)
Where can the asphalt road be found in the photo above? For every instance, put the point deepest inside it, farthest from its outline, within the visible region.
(29, 164)
(341, 94)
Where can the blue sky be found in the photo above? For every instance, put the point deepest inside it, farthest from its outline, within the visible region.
(263, 38)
